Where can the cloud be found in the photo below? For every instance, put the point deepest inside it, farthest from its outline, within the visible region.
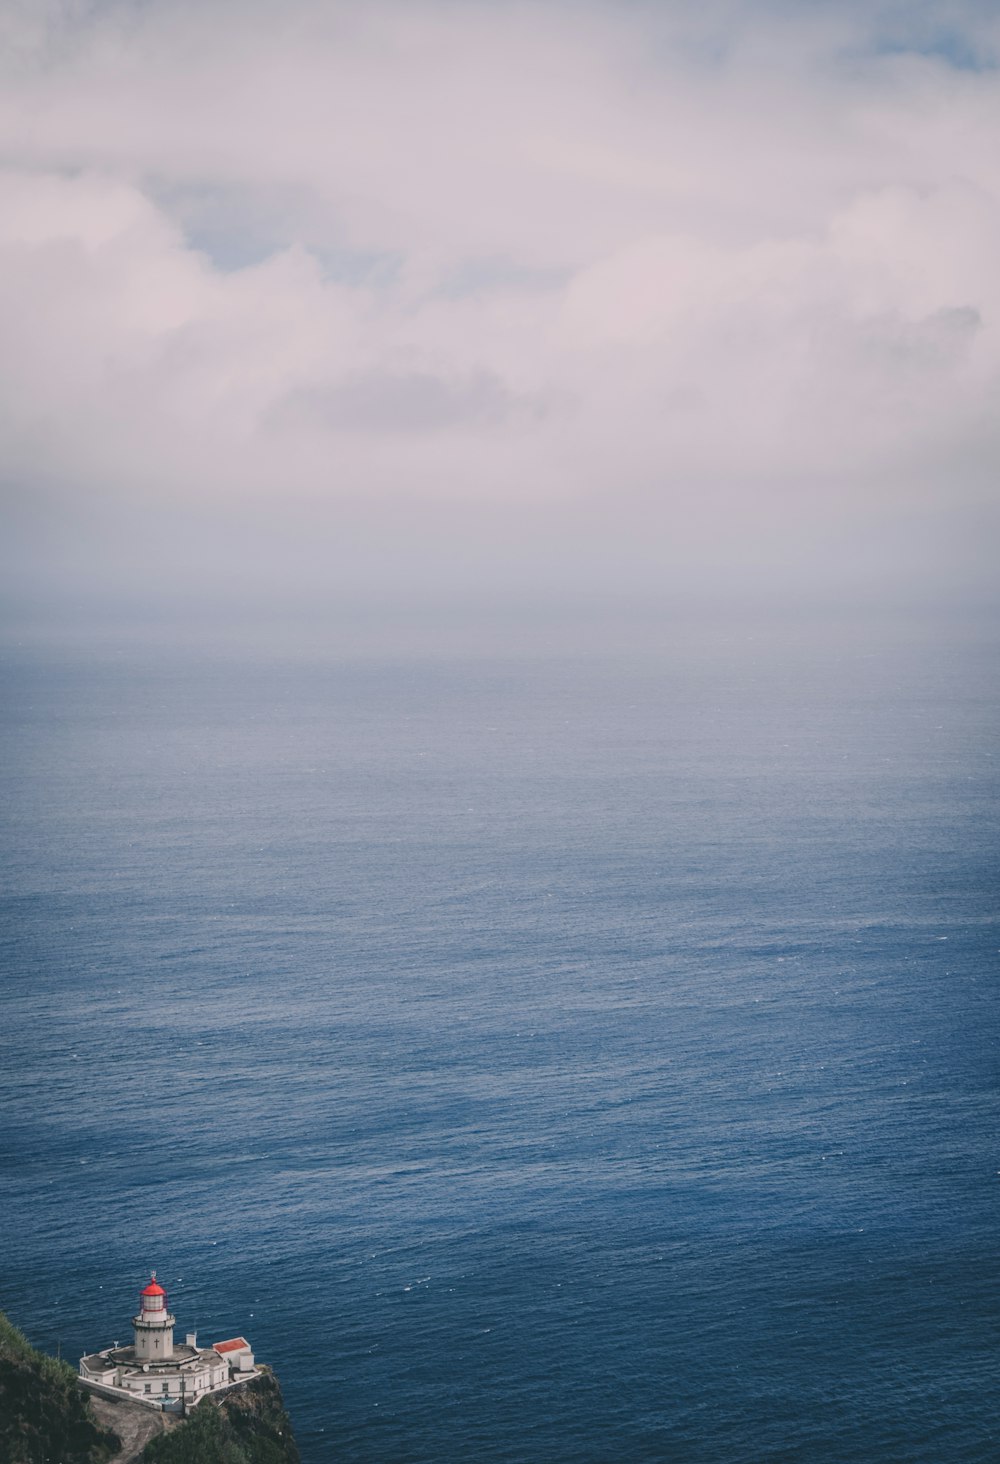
(412, 402)
(669, 297)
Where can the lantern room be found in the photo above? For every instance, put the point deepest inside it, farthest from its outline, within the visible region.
(153, 1298)
(153, 1324)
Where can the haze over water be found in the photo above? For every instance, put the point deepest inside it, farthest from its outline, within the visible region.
(558, 1057)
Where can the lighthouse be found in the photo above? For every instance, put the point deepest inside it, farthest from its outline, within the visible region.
(159, 1373)
(154, 1325)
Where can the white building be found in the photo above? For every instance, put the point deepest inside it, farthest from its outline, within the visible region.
(159, 1372)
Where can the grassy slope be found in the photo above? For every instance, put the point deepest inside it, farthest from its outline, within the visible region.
(44, 1416)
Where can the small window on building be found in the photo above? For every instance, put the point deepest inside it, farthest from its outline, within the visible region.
(148, 1388)
(166, 1387)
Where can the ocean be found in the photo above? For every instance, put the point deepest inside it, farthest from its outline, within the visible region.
(569, 1054)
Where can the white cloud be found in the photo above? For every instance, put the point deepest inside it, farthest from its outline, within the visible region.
(718, 283)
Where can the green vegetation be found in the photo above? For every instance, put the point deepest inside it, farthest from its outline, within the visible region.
(44, 1416)
(249, 1426)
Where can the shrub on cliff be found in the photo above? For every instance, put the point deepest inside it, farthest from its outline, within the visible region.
(44, 1416)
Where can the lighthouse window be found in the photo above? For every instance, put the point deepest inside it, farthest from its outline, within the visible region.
(166, 1387)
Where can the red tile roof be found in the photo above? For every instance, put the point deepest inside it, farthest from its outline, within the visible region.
(235, 1344)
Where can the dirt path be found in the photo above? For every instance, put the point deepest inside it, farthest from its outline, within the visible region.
(134, 1424)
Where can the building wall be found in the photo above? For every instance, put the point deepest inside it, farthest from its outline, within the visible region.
(154, 1344)
(134, 1386)
(242, 1360)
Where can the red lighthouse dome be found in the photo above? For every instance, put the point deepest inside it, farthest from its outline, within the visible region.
(154, 1288)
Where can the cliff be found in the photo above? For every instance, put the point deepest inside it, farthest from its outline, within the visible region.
(247, 1426)
(44, 1416)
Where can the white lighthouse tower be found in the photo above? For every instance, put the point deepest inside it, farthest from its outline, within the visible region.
(154, 1325)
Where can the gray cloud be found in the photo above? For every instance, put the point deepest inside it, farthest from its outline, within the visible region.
(603, 297)
(386, 402)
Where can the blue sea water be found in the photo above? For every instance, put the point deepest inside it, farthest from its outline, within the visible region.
(539, 1057)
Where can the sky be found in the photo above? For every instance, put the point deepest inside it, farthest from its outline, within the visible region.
(464, 302)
